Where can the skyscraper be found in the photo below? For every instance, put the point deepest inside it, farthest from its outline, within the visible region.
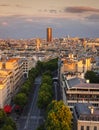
(49, 34)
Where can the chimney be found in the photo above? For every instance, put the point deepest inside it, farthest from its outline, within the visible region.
(91, 109)
(87, 81)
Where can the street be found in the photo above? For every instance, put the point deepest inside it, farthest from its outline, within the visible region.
(31, 117)
(57, 91)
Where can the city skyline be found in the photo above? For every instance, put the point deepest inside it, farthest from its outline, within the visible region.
(28, 19)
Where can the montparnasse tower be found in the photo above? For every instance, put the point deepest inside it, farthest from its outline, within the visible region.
(49, 34)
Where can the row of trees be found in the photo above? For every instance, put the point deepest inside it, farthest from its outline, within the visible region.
(22, 97)
(45, 94)
(49, 65)
(7, 123)
(58, 115)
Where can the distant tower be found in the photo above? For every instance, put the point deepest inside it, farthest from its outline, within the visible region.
(84, 44)
(38, 44)
(49, 34)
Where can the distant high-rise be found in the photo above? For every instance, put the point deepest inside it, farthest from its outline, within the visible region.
(49, 34)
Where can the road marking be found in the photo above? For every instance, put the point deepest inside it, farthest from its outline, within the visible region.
(55, 91)
(33, 117)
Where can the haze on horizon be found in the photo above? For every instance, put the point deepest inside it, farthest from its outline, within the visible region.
(30, 18)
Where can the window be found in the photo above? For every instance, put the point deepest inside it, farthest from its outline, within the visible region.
(87, 128)
(95, 127)
(82, 127)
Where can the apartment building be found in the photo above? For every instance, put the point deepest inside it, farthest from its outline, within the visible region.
(6, 87)
(75, 64)
(86, 117)
(11, 78)
(16, 66)
(28, 64)
(78, 91)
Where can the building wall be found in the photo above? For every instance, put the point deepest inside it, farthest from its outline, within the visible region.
(77, 65)
(5, 91)
(28, 64)
(11, 79)
(70, 67)
(91, 124)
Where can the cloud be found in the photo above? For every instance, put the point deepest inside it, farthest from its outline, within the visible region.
(16, 5)
(4, 23)
(53, 11)
(29, 20)
(4, 5)
(80, 9)
(93, 17)
(21, 6)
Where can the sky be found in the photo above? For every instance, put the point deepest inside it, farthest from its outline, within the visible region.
(23, 19)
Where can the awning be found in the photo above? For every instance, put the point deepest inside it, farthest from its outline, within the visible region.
(7, 109)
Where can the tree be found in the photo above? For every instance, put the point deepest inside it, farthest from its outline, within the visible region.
(51, 65)
(2, 117)
(7, 127)
(39, 67)
(91, 75)
(47, 79)
(25, 89)
(32, 74)
(6, 123)
(10, 122)
(58, 116)
(20, 99)
(47, 72)
(45, 87)
(44, 98)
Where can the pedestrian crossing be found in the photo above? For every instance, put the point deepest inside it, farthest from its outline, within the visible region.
(32, 117)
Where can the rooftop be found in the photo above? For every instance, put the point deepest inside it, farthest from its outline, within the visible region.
(85, 111)
(13, 59)
(79, 83)
(73, 82)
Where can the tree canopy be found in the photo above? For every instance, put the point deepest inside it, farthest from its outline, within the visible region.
(58, 116)
(92, 76)
(6, 123)
(20, 99)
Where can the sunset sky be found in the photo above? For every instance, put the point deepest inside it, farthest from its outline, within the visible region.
(30, 18)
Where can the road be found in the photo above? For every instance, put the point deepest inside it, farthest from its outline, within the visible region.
(57, 91)
(31, 117)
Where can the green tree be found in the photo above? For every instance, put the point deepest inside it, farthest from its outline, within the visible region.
(91, 75)
(58, 116)
(51, 65)
(45, 87)
(44, 98)
(40, 67)
(9, 121)
(7, 127)
(2, 117)
(25, 89)
(47, 79)
(20, 99)
(48, 72)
